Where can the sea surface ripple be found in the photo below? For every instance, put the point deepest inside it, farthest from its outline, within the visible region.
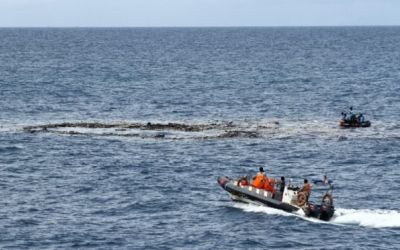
(114, 138)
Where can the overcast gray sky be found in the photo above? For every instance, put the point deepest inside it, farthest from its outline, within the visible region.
(60, 13)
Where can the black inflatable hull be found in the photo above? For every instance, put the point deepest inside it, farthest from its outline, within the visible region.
(321, 212)
(259, 197)
(345, 124)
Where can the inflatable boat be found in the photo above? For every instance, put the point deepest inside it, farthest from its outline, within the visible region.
(291, 200)
(354, 124)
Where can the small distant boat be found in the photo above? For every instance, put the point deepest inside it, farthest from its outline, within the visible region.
(291, 200)
(351, 120)
(354, 124)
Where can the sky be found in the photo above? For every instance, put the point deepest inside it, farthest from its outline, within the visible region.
(172, 13)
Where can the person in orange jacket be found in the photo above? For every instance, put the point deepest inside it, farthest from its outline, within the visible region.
(270, 185)
(260, 179)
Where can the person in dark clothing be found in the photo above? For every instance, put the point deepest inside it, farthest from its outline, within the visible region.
(344, 116)
(282, 184)
(361, 118)
(352, 116)
(281, 188)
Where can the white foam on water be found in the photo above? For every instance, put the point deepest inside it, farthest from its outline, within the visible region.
(10, 128)
(373, 218)
(272, 211)
(168, 133)
(261, 209)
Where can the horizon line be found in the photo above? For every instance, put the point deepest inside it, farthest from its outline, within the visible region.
(215, 26)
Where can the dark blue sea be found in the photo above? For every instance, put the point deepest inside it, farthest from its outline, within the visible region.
(114, 138)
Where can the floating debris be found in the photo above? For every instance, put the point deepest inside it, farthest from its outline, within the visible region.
(145, 130)
(211, 130)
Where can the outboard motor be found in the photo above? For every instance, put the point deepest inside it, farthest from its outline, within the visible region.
(327, 209)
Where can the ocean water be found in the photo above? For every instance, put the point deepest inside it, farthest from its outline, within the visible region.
(114, 138)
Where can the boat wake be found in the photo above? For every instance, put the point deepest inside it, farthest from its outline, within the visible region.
(376, 218)
(372, 218)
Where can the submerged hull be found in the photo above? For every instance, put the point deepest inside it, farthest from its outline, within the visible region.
(249, 194)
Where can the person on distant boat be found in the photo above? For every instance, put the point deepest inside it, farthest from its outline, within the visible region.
(358, 117)
(361, 118)
(352, 116)
(344, 116)
(260, 179)
(306, 188)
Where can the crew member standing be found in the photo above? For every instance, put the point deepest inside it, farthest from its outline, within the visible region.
(306, 188)
(260, 179)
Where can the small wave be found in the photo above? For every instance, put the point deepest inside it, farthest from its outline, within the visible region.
(373, 218)
(10, 148)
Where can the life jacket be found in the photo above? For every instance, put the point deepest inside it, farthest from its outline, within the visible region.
(259, 180)
(243, 182)
(270, 185)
